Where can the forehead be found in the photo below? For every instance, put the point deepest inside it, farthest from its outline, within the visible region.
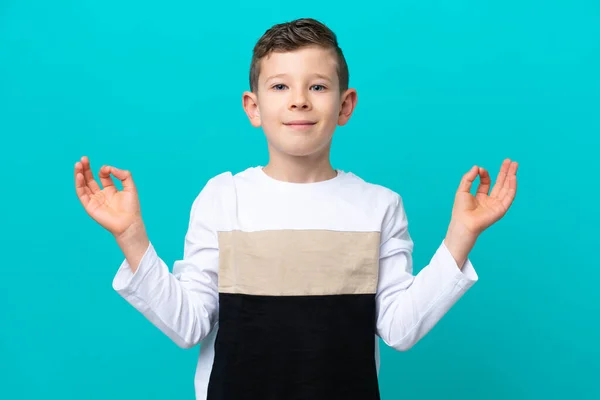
(301, 62)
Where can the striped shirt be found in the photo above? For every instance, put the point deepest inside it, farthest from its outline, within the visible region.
(289, 286)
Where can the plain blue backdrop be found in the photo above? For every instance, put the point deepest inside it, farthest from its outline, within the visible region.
(155, 87)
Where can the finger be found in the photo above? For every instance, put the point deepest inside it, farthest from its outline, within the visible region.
(501, 178)
(484, 182)
(89, 177)
(511, 175)
(510, 193)
(467, 180)
(80, 187)
(105, 178)
(125, 177)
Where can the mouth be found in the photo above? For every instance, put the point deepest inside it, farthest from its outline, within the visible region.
(300, 124)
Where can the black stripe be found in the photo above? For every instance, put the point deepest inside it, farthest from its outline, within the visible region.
(295, 348)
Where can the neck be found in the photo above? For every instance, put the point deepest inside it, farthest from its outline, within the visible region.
(292, 169)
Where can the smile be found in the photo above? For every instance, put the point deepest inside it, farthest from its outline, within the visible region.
(300, 125)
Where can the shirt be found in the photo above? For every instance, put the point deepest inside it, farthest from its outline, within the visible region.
(288, 286)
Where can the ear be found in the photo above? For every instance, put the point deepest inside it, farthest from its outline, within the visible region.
(250, 104)
(348, 102)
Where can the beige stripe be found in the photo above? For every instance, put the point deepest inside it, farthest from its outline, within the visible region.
(298, 262)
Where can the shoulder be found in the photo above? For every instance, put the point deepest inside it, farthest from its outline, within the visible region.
(215, 186)
(374, 202)
(224, 183)
(392, 214)
(218, 193)
(372, 193)
(212, 193)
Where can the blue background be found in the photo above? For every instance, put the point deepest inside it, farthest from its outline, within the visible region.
(155, 87)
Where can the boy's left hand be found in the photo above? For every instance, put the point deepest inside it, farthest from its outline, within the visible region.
(471, 215)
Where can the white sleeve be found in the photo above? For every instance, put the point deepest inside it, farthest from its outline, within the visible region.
(409, 306)
(183, 304)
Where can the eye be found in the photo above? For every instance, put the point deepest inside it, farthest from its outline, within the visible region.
(320, 88)
(278, 86)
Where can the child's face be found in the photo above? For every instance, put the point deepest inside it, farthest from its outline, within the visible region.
(298, 102)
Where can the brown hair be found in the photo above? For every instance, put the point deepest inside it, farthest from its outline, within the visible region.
(294, 35)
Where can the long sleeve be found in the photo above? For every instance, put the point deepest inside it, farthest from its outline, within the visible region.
(182, 304)
(409, 306)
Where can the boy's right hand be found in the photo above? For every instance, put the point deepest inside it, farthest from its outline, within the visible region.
(117, 211)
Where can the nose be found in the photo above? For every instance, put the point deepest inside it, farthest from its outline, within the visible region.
(299, 100)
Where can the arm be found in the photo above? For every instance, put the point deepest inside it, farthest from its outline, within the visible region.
(409, 306)
(182, 304)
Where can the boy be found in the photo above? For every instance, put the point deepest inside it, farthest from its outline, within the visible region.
(293, 270)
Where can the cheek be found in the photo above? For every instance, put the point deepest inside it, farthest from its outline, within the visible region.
(269, 118)
(332, 114)
(269, 113)
(328, 106)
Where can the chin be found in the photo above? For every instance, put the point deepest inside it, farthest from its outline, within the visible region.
(299, 144)
(306, 150)
(300, 153)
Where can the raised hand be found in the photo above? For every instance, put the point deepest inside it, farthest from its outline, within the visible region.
(115, 210)
(477, 213)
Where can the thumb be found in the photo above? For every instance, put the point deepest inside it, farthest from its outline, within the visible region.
(125, 177)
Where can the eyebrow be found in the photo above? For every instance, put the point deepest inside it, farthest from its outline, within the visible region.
(325, 77)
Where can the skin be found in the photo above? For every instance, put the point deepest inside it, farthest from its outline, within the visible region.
(300, 85)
